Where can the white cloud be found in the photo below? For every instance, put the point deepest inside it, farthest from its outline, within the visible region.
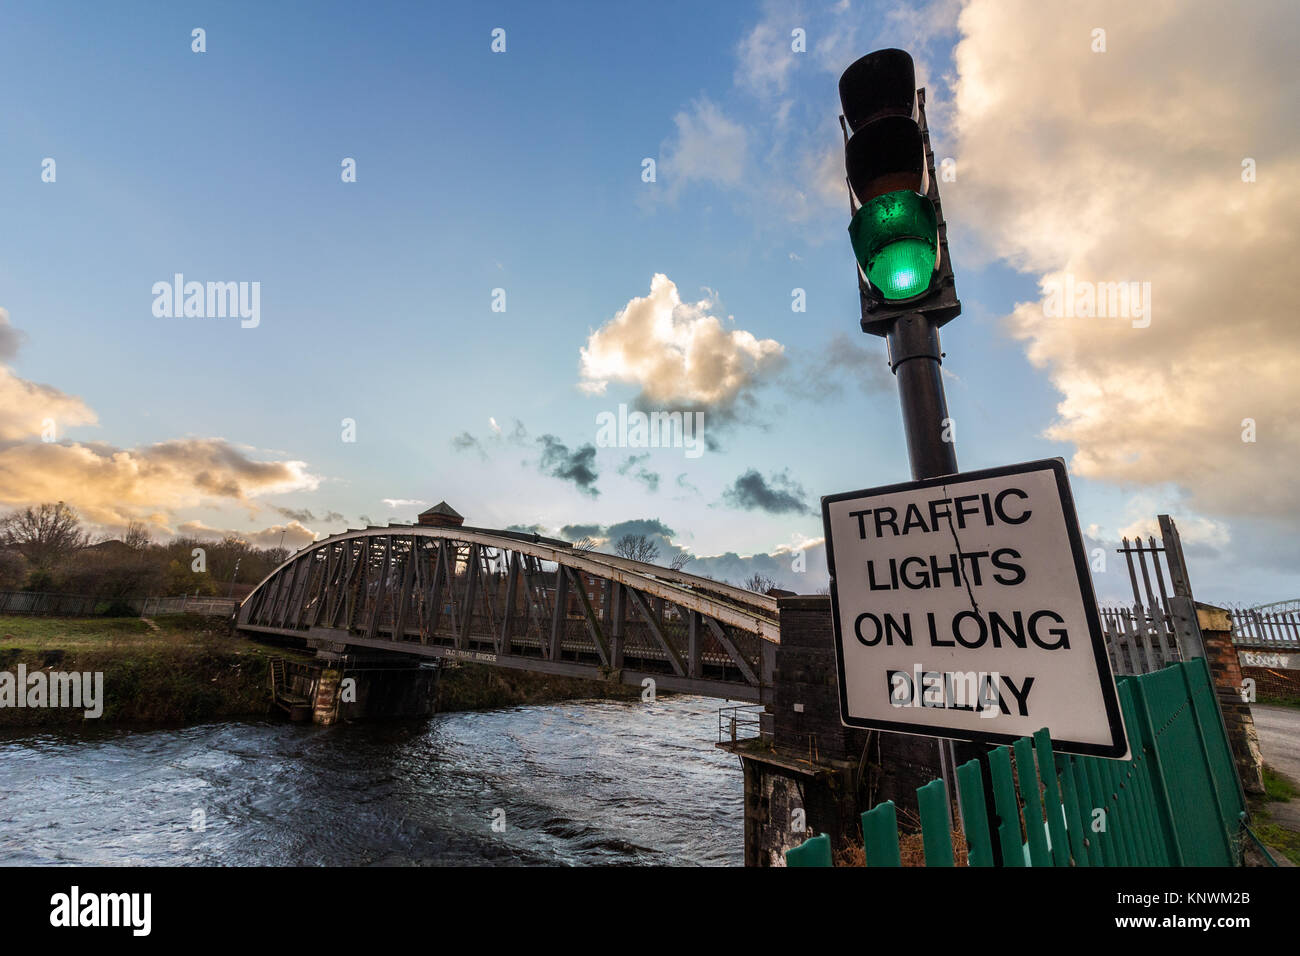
(764, 55)
(707, 147)
(26, 407)
(678, 353)
(403, 502)
(10, 337)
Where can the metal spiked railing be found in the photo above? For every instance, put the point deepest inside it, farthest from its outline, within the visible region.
(1175, 801)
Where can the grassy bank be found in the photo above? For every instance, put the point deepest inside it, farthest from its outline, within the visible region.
(1278, 789)
(184, 668)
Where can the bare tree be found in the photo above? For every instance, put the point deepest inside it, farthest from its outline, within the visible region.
(44, 535)
(759, 582)
(637, 547)
(137, 536)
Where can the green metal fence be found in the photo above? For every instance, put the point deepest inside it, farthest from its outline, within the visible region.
(1175, 802)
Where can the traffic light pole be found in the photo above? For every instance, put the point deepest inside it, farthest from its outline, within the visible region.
(916, 360)
(905, 278)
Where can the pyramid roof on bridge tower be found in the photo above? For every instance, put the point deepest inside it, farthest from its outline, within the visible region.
(441, 515)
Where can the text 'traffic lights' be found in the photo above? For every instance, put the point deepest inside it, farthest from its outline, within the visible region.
(897, 230)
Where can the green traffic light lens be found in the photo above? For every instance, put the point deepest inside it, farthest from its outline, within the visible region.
(896, 240)
(902, 269)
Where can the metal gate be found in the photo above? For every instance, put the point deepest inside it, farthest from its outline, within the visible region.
(1160, 627)
(1174, 802)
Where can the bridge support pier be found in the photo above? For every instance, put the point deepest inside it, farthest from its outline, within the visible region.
(337, 687)
(812, 774)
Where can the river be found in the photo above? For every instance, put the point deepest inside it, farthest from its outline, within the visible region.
(584, 782)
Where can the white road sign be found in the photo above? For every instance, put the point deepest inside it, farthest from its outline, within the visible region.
(964, 609)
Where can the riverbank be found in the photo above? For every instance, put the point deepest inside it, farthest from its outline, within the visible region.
(466, 686)
(181, 668)
(186, 669)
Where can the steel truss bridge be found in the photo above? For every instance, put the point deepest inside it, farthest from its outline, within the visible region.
(521, 601)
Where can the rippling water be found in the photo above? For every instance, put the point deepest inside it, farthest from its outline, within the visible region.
(589, 782)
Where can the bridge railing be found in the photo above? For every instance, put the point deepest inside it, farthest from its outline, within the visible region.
(41, 604)
(208, 606)
(740, 722)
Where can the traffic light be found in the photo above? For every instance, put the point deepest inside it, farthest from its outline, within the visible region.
(897, 231)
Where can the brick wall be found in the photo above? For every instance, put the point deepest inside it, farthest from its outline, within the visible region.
(1271, 682)
(843, 771)
(1225, 670)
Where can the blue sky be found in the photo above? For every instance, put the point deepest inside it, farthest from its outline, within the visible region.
(478, 171)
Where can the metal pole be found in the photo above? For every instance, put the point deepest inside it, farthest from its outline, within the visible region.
(916, 359)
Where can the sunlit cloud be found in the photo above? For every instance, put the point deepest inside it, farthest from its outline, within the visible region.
(1128, 165)
(679, 354)
(112, 486)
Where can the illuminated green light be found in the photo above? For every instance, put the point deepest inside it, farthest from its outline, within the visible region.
(896, 240)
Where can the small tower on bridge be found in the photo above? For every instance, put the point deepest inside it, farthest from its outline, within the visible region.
(441, 515)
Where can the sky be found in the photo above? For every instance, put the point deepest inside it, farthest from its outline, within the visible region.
(476, 231)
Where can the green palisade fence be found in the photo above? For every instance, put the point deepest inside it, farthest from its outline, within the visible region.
(1175, 801)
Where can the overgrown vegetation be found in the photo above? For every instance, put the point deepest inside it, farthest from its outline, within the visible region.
(185, 668)
(1278, 700)
(1278, 838)
(1278, 787)
(480, 686)
(46, 548)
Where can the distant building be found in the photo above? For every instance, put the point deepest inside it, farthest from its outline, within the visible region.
(441, 515)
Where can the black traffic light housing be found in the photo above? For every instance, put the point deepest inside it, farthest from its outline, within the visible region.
(887, 149)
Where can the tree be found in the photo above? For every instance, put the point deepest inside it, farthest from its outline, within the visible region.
(179, 578)
(44, 535)
(637, 547)
(137, 536)
(759, 583)
(13, 569)
(110, 571)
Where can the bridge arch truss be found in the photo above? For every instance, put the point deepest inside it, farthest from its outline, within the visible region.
(523, 602)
